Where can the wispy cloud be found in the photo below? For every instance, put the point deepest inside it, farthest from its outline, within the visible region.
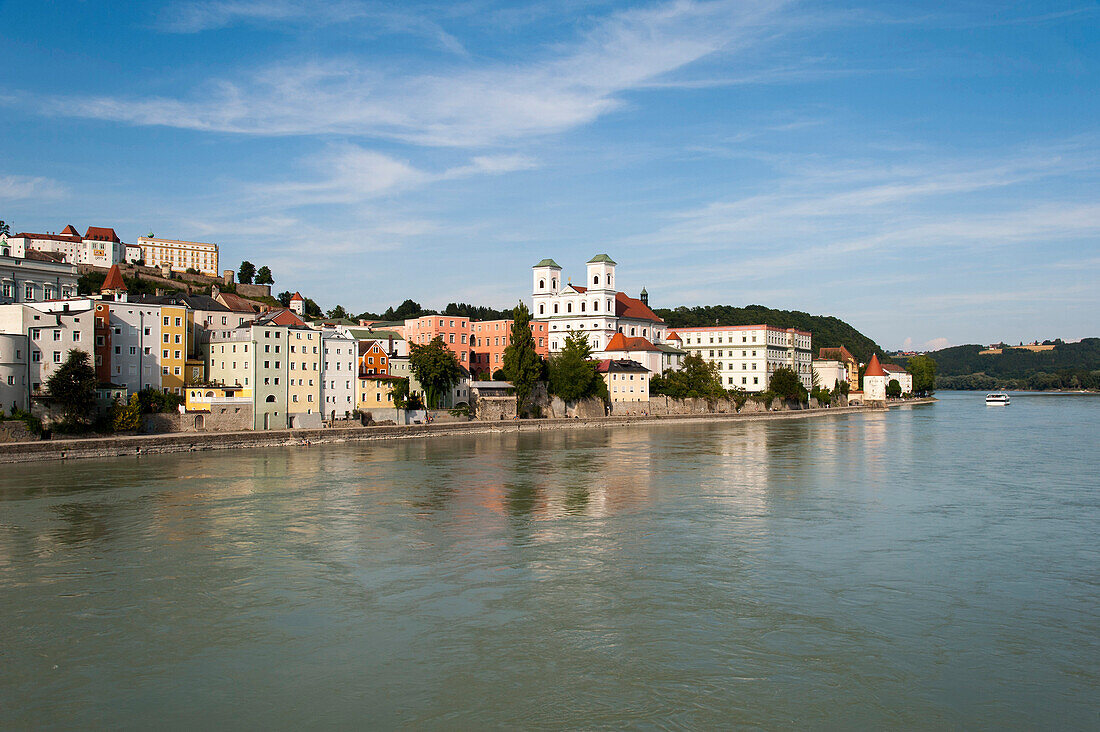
(467, 105)
(19, 187)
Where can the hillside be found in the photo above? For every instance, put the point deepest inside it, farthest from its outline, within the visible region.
(828, 331)
(1067, 366)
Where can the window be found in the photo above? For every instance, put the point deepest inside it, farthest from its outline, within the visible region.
(28, 292)
(57, 356)
(57, 335)
(166, 320)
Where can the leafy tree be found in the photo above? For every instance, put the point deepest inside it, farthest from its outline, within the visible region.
(284, 298)
(126, 416)
(821, 394)
(246, 273)
(572, 374)
(436, 368)
(406, 310)
(522, 364)
(192, 270)
(923, 369)
(499, 375)
(893, 389)
(786, 384)
(5, 230)
(155, 401)
(263, 276)
(695, 379)
(312, 309)
(475, 312)
(72, 386)
(338, 313)
(400, 391)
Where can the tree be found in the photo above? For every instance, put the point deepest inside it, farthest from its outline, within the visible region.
(522, 364)
(127, 415)
(923, 369)
(695, 379)
(572, 375)
(246, 273)
(436, 368)
(893, 389)
(338, 313)
(72, 386)
(284, 298)
(263, 276)
(5, 230)
(786, 384)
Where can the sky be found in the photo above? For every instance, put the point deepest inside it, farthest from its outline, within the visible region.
(928, 172)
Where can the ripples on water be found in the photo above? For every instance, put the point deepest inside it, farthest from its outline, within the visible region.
(929, 567)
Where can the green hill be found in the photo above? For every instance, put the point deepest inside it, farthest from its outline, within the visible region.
(1066, 366)
(828, 331)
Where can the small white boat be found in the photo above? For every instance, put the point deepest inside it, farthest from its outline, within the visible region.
(997, 399)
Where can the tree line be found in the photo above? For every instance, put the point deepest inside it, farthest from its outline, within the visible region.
(1066, 366)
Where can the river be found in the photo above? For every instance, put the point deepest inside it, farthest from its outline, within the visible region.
(927, 567)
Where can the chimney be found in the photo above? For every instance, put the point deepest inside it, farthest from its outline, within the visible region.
(215, 291)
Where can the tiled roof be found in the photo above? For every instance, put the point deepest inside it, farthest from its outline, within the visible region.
(601, 258)
(840, 354)
(70, 231)
(297, 296)
(114, 279)
(623, 364)
(45, 256)
(47, 237)
(874, 368)
(629, 307)
(619, 342)
(548, 263)
(236, 303)
(102, 233)
(280, 317)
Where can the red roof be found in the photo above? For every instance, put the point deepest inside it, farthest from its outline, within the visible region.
(296, 296)
(48, 237)
(236, 303)
(70, 231)
(840, 354)
(619, 342)
(286, 317)
(874, 368)
(113, 280)
(100, 233)
(578, 288)
(622, 364)
(629, 307)
(674, 336)
(45, 256)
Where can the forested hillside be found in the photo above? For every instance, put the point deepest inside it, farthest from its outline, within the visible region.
(1067, 366)
(828, 331)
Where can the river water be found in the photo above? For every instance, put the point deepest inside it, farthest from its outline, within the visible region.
(929, 567)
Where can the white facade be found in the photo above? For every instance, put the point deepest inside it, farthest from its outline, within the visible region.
(338, 374)
(99, 247)
(874, 388)
(50, 337)
(179, 255)
(830, 373)
(13, 372)
(30, 280)
(595, 307)
(904, 378)
(136, 345)
(746, 355)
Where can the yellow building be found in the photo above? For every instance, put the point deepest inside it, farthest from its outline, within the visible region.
(199, 399)
(179, 255)
(627, 381)
(175, 331)
(304, 377)
(375, 390)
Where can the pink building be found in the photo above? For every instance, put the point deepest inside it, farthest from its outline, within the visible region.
(489, 338)
(454, 330)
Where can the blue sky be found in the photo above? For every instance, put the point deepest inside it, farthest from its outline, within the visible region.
(930, 172)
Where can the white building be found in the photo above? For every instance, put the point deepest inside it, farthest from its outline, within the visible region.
(595, 308)
(99, 247)
(33, 278)
(829, 373)
(903, 377)
(14, 373)
(49, 338)
(338, 374)
(178, 255)
(747, 355)
(874, 382)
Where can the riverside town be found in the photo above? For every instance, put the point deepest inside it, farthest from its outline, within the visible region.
(98, 336)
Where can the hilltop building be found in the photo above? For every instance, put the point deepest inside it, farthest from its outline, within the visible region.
(98, 247)
(176, 255)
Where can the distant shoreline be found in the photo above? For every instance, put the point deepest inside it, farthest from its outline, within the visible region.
(136, 445)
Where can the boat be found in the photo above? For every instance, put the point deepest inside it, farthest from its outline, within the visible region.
(997, 399)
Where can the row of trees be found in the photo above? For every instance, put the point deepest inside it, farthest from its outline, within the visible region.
(248, 274)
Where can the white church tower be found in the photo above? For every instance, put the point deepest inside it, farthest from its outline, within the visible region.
(545, 286)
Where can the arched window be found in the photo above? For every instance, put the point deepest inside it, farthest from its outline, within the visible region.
(595, 305)
(554, 283)
(582, 307)
(620, 329)
(542, 284)
(555, 308)
(609, 306)
(596, 280)
(643, 332)
(609, 280)
(631, 331)
(271, 398)
(542, 309)
(568, 307)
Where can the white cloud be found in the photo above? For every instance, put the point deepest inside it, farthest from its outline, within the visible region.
(935, 344)
(22, 187)
(461, 106)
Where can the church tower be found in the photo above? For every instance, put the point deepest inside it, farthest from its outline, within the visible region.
(545, 285)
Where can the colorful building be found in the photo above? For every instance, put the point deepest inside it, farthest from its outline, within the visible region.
(178, 255)
(627, 380)
(489, 338)
(452, 329)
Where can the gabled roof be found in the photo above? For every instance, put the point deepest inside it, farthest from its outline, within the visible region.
(47, 237)
(236, 303)
(366, 347)
(839, 354)
(601, 258)
(893, 368)
(195, 302)
(548, 263)
(297, 296)
(45, 256)
(281, 317)
(578, 288)
(622, 364)
(674, 336)
(629, 307)
(113, 280)
(874, 368)
(102, 233)
(619, 342)
(70, 231)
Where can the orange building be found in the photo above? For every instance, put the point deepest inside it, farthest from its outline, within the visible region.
(454, 330)
(489, 338)
(373, 359)
(103, 342)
